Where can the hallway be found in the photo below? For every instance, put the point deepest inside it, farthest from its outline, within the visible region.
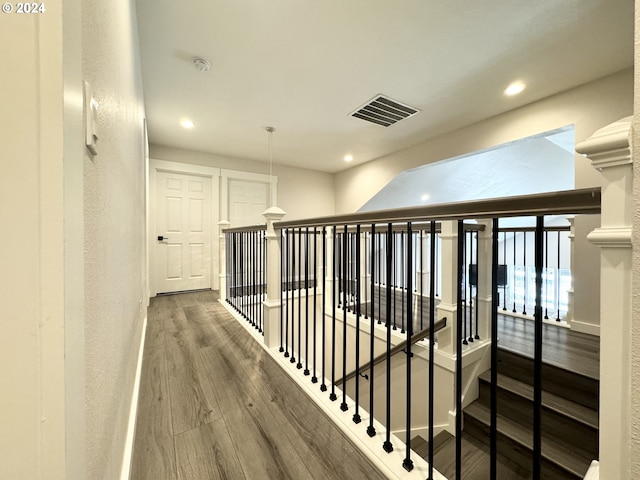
(214, 405)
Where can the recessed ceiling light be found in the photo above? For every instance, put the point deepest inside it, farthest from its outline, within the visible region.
(348, 158)
(186, 123)
(514, 89)
(425, 197)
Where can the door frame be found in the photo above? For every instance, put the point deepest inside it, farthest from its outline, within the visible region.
(229, 175)
(213, 174)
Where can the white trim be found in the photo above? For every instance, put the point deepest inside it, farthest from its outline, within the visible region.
(213, 173)
(582, 327)
(133, 412)
(227, 175)
(187, 168)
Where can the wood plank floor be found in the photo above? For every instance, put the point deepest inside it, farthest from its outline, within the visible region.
(562, 347)
(214, 405)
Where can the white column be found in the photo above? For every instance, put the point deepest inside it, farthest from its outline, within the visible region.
(222, 225)
(572, 252)
(448, 306)
(483, 295)
(273, 303)
(610, 152)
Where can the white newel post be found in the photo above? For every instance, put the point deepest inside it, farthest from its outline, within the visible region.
(273, 303)
(448, 306)
(222, 225)
(483, 295)
(609, 150)
(572, 263)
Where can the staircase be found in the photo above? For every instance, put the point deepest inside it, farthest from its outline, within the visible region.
(569, 416)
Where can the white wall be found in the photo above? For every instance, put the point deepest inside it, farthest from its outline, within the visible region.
(588, 108)
(114, 221)
(32, 360)
(634, 381)
(302, 193)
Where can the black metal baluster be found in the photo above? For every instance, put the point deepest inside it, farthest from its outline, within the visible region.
(356, 415)
(464, 280)
(421, 279)
(282, 289)
(437, 255)
(299, 364)
(472, 308)
(403, 280)
(241, 263)
(537, 358)
(504, 260)
(306, 303)
(287, 277)
(432, 322)
(293, 296)
(395, 277)
(314, 378)
(231, 270)
(459, 312)
(333, 396)
(371, 431)
(252, 270)
(345, 245)
(493, 425)
(387, 445)
(323, 386)
(526, 274)
(546, 272)
(367, 270)
(513, 288)
(558, 280)
(477, 336)
(380, 274)
(408, 463)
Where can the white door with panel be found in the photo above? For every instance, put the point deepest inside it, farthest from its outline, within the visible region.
(247, 202)
(183, 226)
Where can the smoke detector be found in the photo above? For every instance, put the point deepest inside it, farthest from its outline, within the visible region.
(201, 65)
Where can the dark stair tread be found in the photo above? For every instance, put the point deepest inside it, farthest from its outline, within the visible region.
(578, 370)
(573, 462)
(566, 407)
(421, 446)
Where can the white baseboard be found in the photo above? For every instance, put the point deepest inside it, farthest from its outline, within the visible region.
(133, 412)
(583, 327)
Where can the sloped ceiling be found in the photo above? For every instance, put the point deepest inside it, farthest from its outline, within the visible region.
(535, 165)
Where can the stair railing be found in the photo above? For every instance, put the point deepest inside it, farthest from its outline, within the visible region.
(348, 267)
(400, 347)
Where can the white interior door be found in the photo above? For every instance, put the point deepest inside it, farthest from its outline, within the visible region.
(183, 232)
(247, 202)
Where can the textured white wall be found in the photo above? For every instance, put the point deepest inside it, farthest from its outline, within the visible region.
(114, 219)
(634, 382)
(32, 412)
(301, 193)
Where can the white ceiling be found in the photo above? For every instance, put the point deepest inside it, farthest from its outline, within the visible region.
(303, 66)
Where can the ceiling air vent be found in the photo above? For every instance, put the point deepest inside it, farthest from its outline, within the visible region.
(383, 111)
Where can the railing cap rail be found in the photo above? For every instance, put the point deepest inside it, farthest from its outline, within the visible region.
(249, 228)
(567, 202)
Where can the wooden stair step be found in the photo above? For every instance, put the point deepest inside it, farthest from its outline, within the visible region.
(421, 446)
(563, 406)
(563, 383)
(558, 456)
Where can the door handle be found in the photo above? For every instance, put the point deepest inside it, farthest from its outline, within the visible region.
(161, 238)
